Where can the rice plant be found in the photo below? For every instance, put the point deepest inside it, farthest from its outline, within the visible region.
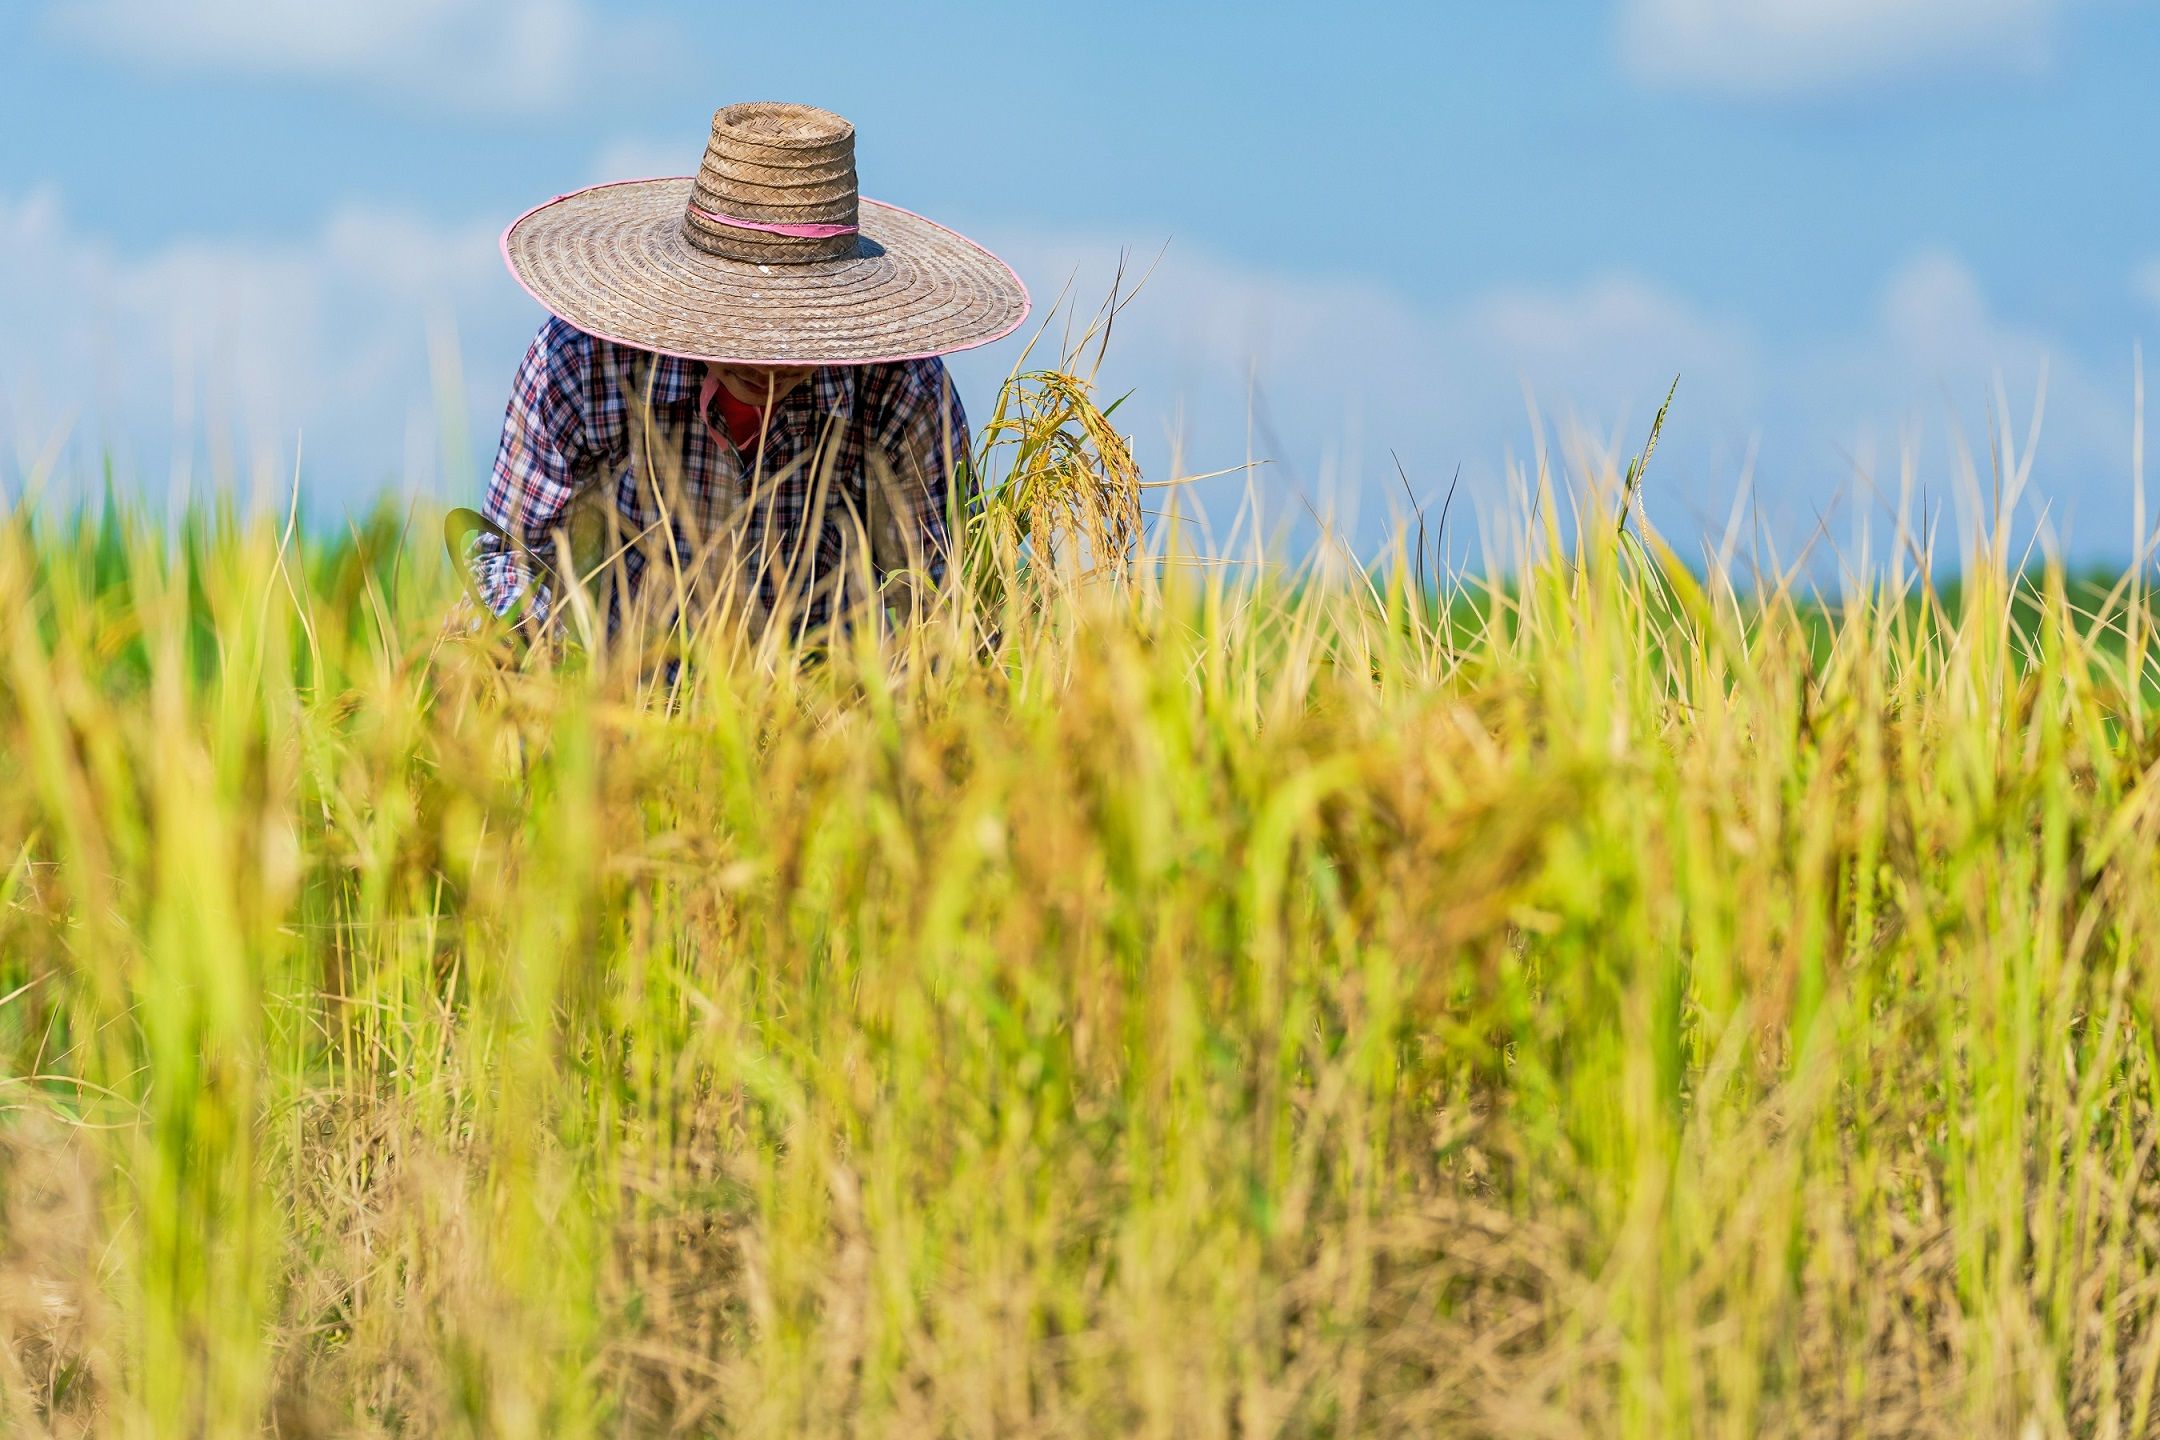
(1134, 998)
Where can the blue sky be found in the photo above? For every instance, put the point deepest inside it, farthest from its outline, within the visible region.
(1841, 223)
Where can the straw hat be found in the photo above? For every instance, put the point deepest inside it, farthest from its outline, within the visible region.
(766, 256)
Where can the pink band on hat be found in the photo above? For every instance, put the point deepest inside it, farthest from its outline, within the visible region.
(796, 232)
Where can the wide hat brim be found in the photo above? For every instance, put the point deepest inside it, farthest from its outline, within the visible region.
(612, 261)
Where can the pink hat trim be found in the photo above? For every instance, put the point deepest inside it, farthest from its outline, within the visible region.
(797, 232)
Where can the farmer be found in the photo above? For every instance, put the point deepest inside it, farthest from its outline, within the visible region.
(737, 409)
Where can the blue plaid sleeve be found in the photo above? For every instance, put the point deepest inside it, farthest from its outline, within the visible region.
(533, 480)
(920, 433)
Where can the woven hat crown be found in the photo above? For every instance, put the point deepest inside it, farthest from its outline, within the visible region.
(769, 163)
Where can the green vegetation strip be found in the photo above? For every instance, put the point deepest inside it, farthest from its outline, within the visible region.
(1173, 1001)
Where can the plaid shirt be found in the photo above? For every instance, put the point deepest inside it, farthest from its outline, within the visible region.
(609, 462)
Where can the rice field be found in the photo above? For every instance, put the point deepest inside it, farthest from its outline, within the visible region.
(1137, 998)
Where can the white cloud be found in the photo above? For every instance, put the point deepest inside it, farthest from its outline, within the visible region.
(1941, 377)
(498, 55)
(327, 335)
(1351, 370)
(235, 348)
(645, 159)
(2147, 281)
(1937, 346)
(1332, 379)
(1207, 318)
(1598, 344)
(1789, 48)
